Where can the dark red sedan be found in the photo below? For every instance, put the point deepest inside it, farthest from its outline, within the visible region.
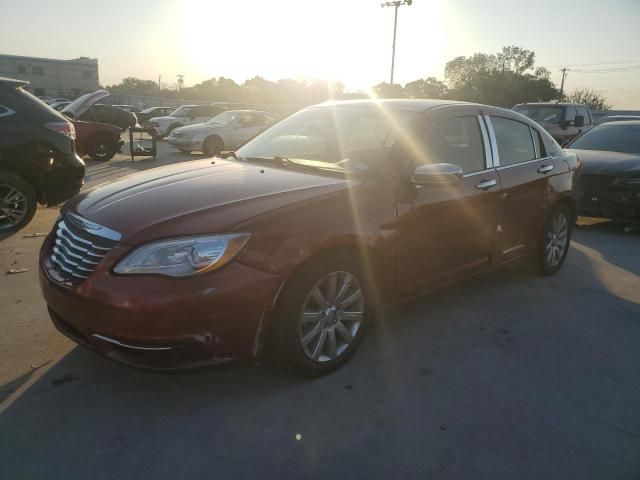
(292, 244)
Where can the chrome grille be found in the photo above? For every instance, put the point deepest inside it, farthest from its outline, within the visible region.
(79, 246)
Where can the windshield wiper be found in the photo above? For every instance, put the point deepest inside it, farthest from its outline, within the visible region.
(227, 154)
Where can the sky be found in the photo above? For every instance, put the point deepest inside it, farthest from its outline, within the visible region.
(335, 40)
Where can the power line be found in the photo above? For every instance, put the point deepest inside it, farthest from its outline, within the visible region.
(608, 70)
(594, 64)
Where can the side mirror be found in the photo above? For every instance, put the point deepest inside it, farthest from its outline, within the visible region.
(437, 174)
(579, 121)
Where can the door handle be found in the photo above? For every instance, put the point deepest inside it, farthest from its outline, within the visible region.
(486, 184)
(545, 169)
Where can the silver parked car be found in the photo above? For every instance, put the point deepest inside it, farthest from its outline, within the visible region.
(226, 131)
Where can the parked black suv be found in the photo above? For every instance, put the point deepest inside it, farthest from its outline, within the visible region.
(102, 113)
(38, 161)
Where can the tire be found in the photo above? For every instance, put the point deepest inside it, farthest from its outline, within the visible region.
(170, 129)
(212, 145)
(312, 333)
(555, 240)
(101, 148)
(18, 202)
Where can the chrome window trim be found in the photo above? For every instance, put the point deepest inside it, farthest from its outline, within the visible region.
(519, 164)
(481, 172)
(488, 156)
(8, 112)
(494, 144)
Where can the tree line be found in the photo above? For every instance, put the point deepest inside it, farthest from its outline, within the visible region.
(503, 79)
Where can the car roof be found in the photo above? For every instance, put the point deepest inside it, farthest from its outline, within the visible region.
(558, 104)
(12, 82)
(417, 105)
(620, 122)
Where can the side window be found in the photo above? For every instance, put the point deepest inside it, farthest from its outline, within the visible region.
(583, 111)
(539, 144)
(570, 114)
(514, 141)
(37, 71)
(458, 141)
(22, 69)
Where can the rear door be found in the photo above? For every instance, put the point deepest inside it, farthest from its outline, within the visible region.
(448, 231)
(525, 172)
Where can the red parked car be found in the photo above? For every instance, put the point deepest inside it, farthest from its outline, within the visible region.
(315, 224)
(100, 141)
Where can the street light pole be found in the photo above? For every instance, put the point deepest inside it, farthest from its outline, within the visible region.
(395, 4)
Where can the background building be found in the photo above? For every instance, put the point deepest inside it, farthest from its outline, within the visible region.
(54, 78)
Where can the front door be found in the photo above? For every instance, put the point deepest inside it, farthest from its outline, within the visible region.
(447, 232)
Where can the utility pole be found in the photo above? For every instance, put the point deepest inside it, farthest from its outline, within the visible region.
(180, 82)
(159, 83)
(395, 4)
(564, 74)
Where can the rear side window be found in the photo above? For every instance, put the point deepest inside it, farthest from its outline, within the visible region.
(458, 141)
(541, 151)
(515, 144)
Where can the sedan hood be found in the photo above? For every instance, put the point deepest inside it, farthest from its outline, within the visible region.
(196, 197)
(84, 103)
(617, 164)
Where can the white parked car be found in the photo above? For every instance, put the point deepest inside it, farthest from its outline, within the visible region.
(184, 115)
(226, 131)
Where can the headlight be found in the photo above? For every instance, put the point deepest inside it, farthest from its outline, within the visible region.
(181, 257)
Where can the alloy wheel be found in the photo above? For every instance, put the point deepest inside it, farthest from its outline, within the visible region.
(331, 316)
(13, 206)
(557, 239)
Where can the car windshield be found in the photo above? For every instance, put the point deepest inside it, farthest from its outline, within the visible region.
(541, 113)
(181, 111)
(610, 138)
(345, 138)
(224, 118)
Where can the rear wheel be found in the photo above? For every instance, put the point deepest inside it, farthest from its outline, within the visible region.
(101, 148)
(212, 146)
(322, 316)
(18, 202)
(554, 243)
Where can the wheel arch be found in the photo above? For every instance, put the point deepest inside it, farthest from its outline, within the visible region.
(366, 255)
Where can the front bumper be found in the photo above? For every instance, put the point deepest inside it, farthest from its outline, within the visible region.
(158, 322)
(185, 142)
(602, 199)
(60, 184)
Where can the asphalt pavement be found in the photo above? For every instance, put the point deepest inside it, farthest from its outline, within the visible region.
(508, 375)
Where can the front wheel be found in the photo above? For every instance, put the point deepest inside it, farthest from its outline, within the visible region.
(212, 146)
(102, 148)
(554, 243)
(322, 317)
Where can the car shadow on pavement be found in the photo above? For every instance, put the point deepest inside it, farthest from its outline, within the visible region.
(505, 375)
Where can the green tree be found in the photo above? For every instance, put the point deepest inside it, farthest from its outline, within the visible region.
(135, 86)
(388, 90)
(429, 87)
(503, 79)
(592, 98)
